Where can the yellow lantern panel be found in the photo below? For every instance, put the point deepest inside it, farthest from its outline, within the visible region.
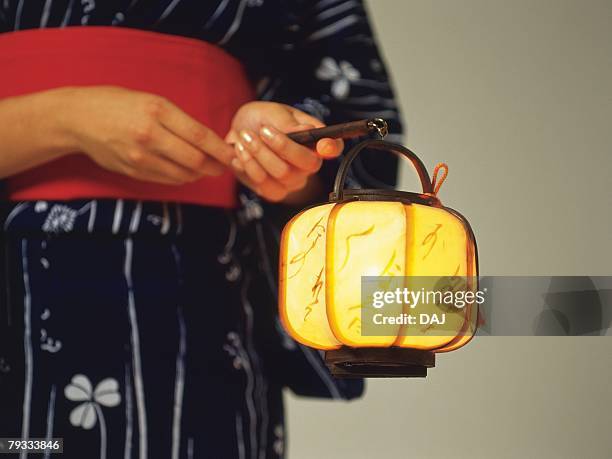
(302, 279)
(327, 249)
(471, 323)
(438, 248)
(364, 239)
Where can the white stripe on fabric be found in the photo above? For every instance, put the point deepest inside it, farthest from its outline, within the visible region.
(335, 27)
(102, 423)
(44, 18)
(260, 386)
(127, 449)
(325, 4)
(240, 437)
(50, 419)
(92, 216)
(179, 219)
(370, 100)
(343, 7)
(13, 213)
(137, 365)
(18, 15)
(68, 14)
(168, 10)
(117, 216)
(249, 395)
(165, 227)
(362, 39)
(235, 24)
(190, 448)
(27, 345)
(220, 9)
(179, 382)
(271, 91)
(136, 214)
(323, 373)
(179, 388)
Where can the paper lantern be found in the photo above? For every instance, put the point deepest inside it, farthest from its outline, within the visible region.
(394, 236)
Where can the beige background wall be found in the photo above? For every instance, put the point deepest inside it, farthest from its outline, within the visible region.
(516, 95)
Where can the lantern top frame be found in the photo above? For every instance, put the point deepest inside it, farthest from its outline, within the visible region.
(340, 194)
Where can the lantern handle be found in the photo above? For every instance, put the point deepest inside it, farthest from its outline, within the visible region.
(398, 150)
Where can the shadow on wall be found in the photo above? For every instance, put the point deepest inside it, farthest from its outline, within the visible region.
(546, 306)
(574, 307)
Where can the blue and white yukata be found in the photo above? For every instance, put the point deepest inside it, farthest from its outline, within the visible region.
(149, 330)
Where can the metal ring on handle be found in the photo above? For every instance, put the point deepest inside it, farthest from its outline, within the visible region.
(399, 150)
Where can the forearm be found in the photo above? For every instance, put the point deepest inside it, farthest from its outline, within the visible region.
(32, 130)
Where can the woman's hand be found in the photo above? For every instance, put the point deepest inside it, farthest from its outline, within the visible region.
(142, 135)
(267, 161)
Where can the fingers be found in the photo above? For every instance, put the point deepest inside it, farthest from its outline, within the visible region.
(274, 164)
(149, 166)
(262, 165)
(329, 148)
(292, 152)
(326, 148)
(193, 132)
(175, 149)
(271, 163)
(269, 189)
(250, 166)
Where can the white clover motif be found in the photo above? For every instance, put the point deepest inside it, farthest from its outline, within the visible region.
(279, 440)
(86, 413)
(340, 74)
(233, 273)
(234, 347)
(251, 209)
(40, 206)
(60, 219)
(155, 219)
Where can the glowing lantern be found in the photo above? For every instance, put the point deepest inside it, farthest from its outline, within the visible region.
(326, 249)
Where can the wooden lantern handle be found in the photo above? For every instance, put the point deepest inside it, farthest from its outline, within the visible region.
(398, 150)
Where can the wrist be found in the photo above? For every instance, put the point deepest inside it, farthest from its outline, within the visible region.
(59, 119)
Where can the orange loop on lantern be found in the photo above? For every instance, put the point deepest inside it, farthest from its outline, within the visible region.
(436, 183)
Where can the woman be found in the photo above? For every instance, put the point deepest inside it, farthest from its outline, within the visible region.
(138, 311)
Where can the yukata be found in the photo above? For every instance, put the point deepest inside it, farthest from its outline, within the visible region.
(143, 329)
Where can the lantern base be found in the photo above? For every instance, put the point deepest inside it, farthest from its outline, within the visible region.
(376, 362)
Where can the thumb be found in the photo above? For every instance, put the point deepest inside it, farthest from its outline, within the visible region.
(298, 128)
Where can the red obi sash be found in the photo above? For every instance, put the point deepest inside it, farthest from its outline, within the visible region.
(202, 79)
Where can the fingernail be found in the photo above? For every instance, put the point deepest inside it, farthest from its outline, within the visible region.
(327, 149)
(242, 153)
(268, 133)
(236, 164)
(248, 138)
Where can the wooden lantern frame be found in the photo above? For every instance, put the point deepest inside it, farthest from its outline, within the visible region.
(357, 362)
